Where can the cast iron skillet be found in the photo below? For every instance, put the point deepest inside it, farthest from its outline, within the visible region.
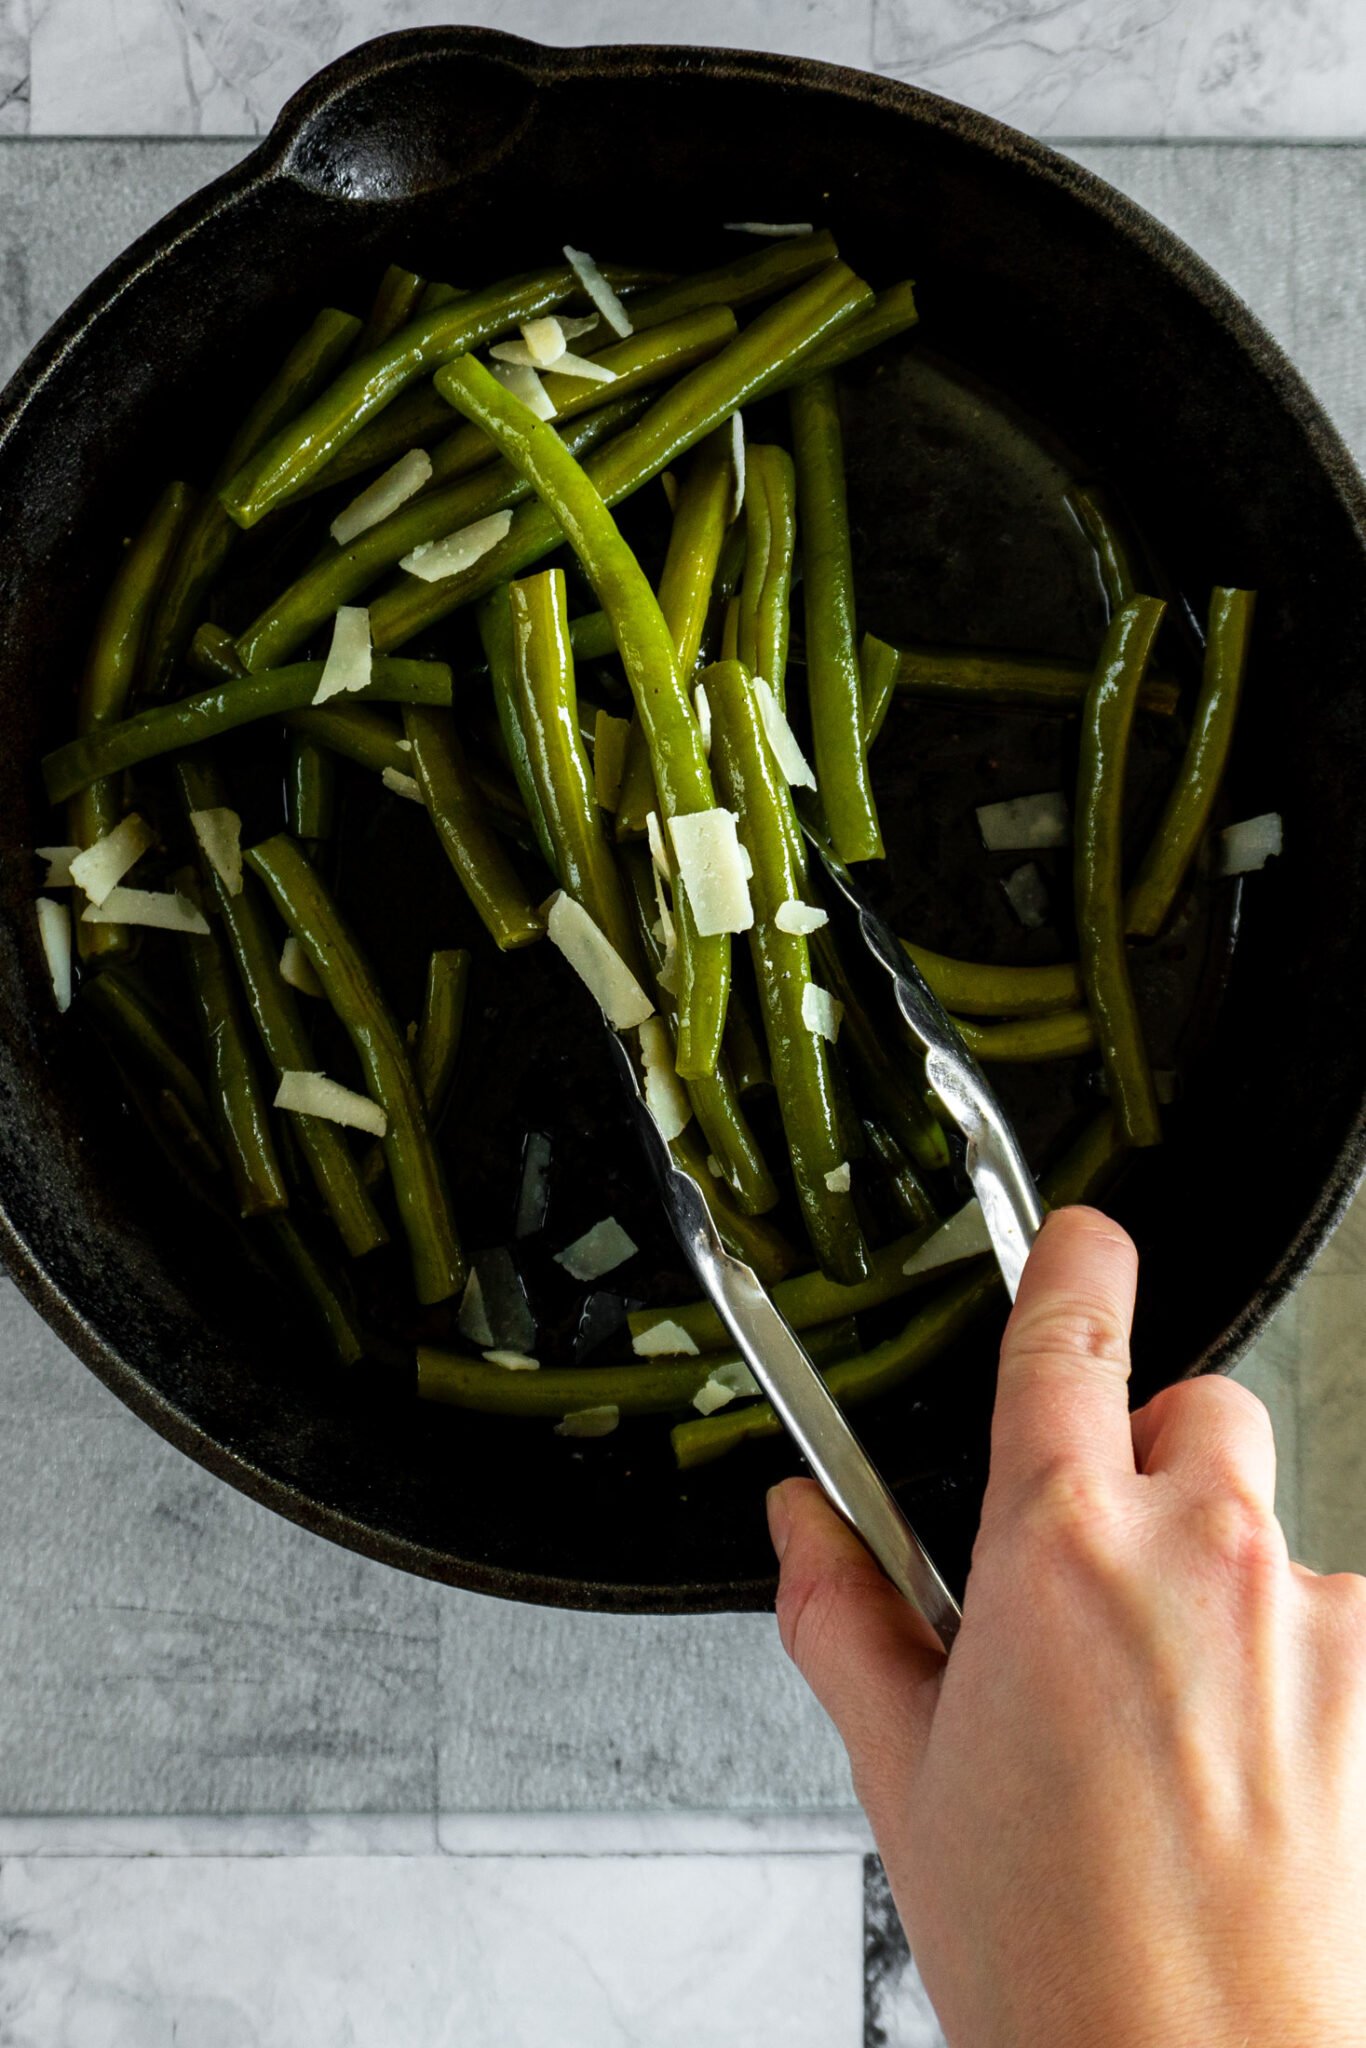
(469, 154)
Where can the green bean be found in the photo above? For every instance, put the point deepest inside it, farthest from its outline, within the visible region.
(754, 1239)
(310, 790)
(111, 668)
(912, 1199)
(1187, 811)
(415, 1171)
(757, 275)
(1097, 865)
(547, 712)
(209, 534)
(166, 728)
(441, 1027)
(356, 732)
(435, 295)
(743, 1043)
(773, 346)
(770, 545)
(981, 990)
(714, 1097)
(680, 765)
(891, 313)
(242, 1114)
(884, 1068)
(753, 788)
(878, 666)
(723, 620)
(1114, 562)
(454, 806)
(282, 1031)
(1026, 1041)
(397, 301)
(340, 575)
(1078, 1177)
(319, 1288)
(495, 632)
(966, 676)
(128, 1018)
(591, 637)
(292, 457)
(832, 673)
(417, 417)
(212, 653)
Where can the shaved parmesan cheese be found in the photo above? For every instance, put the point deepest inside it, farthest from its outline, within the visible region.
(667, 933)
(598, 1251)
(670, 484)
(664, 1340)
(964, 1236)
(711, 1396)
(472, 1321)
(736, 1375)
(1244, 848)
(585, 368)
(665, 1096)
(800, 919)
(838, 1178)
(793, 765)
(573, 326)
(598, 290)
(436, 559)
(821, 1012)
(164, 913)
(219, 832)
(533, 1196)
(402, 785)
(590, 1421)
(505, 1303)
(102, 866)
(524, 384)
(513, 1361)
(399, 483)
(59, 859)
(659, 853)
(297, 969)
(542, 343)
(609, 757)
(318, 1095)
(54, 929)
(1027, 894)
(714, 1167)
(597, 963)
(711, 870)
(347, 666)
(1025, 823)
(769, 227)
(702, 706)
(737, 467)
(404, 746)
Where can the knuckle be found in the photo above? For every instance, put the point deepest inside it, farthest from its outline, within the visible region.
(1083, 1332)
(1239, 1529)
(808, 1608)
(1070, 1515)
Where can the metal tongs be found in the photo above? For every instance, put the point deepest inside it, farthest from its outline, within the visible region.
(775, 1356)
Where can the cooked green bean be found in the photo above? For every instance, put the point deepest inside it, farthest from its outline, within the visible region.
(209, 534)
(415, 1171)
(753, 788)
(495, 632)
(963, 675)
(891, 313)
(752, 1238)
(760, 274)
(770, 546)
(592, 638)
(832, 673)
(355, 731)
(128, 1017)
(878, 665)
(441, 1027)
(884, 1067)
(1026, 1041)
(980, 990)
(680, 765)
(396, 302)
(310, 791)
(744, 1043)
(320, 1289)
(292, 457)
(242, 1113)
(111, 668)
(1114, 561)
(453, 804)
(1187, 811)
(212, 653)
(282, 1031)
(1079, 1177)
(168, 727)
(775, 344)
(1098, 863)
(909, 1194)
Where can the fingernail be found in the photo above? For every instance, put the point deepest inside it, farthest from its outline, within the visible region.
(779, 1521)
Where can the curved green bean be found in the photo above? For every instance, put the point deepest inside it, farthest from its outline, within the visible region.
(832, 673)
(453, 804)
(397, 301)
(166, 728)
(981, 990)
(647, 649)
(760, 1243)
(878, 666)
(753, 788)
(495, 632)
(356, 732)
(759, 274)
(212, 654)
(1026, 1041)
(242, 1113)
(320, 1289)
(441, 1027)
(415, 1171)
(770, 549)
(891, 313)
(1187, 810)
(1098, 865)
(1114, 561)
(964, 675)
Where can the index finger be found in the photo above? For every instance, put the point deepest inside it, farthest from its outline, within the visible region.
(1063, 1388)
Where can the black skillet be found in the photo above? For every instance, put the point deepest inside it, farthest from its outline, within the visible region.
(1049, 298)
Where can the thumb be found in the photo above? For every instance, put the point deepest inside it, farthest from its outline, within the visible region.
(858, 1644)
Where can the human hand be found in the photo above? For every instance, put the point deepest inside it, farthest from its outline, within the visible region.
(1130, 1810)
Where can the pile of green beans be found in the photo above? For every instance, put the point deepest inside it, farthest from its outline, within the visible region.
(590, 676)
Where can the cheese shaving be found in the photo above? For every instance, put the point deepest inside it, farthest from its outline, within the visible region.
(736, 1375)
(347, 667)
(533, 1195)
(54, 929)
(437, 559)
(297, 969)
(525, 384)
(584, 368)
(59, 859)
(665, 1096)
(148, 907)
(318, 1095)
(838, 1180)
(410, 474)
(609, 757)
(964, 1236)
(821, 1012)
(103, 866)
(714, 1167)
(472, 1321)
(799, 919)
(590, 1421)
(737, 467)
(400, 784)
(664, 1340)
(1243, 848)
(659, 853)
(513, 1361)
(702, 706)
(597, 963)
(219, 832)
(768, 227)
(712, 871)
(598, 290)
(543, 342)
(793, 765)
(599, 1250)
(1025, 823)
(710, 1396)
